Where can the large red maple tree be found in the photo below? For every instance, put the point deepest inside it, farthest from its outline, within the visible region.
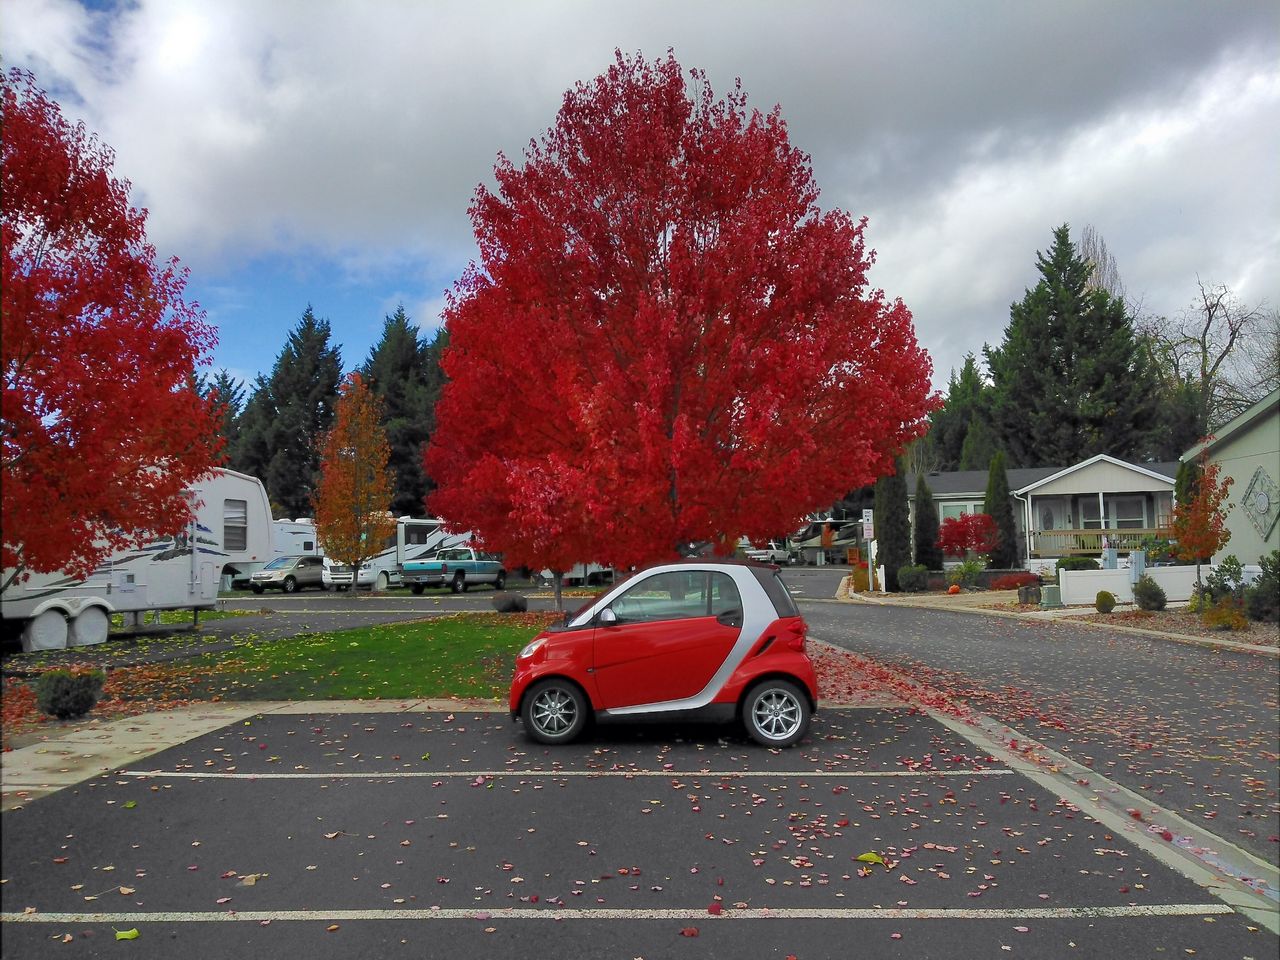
(664, 339)
(101, 426)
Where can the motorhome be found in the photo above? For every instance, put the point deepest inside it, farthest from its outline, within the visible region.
(414, 539)
(230, 527)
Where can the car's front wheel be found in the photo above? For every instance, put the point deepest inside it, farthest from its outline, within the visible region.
(555, 711)
(776, 713)
(290, 585)
(256, 589)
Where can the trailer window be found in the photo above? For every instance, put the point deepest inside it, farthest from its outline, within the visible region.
(235, 524)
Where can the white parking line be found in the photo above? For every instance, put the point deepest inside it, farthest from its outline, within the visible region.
(594, 774)
(603, 913)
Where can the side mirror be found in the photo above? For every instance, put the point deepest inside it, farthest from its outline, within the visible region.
(607, 617)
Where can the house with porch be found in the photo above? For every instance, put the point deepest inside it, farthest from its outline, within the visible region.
(1062, 511)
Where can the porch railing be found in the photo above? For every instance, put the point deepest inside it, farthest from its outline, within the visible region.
(1062, 543)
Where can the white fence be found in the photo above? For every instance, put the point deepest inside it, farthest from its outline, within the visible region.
(1082, 586)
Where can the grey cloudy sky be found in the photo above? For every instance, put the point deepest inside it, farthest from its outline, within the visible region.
(325, 152)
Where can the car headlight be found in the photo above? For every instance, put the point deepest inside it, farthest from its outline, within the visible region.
(531, 648)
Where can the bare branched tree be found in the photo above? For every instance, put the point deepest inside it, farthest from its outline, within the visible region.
(1105, 275)
(1216, 352)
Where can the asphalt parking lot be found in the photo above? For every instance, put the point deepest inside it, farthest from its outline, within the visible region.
(412, 834)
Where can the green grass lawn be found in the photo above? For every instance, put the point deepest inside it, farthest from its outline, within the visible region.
(468, 655)
(175, 617)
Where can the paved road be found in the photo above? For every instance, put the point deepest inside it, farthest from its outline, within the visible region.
(1194, 729)
(451, 835)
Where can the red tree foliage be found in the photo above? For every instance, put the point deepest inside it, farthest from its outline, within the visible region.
(1200, 525)
(102, 427)
(664, 340)
(976, 532)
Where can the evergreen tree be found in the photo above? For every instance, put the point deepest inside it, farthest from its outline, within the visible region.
(399, 372)
(928, 554)
(286, 416)
(230, 393)
(1186, 483)
(999, 507)
(979, 445)
(1069, 381)
(964, 410)
(893, 524)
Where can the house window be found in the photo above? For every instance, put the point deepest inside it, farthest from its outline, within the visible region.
(235, 524)
(1129, 513)
(951, 511)
(1090, 515)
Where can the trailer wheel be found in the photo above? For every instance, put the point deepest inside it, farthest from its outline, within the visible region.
(45, 631)
(90, 626)
(417, 589)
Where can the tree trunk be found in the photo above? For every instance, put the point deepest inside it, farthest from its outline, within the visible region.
(559, 584)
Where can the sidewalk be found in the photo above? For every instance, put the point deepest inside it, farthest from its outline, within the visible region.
(978, 603)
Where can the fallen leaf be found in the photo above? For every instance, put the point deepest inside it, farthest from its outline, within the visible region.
(132, 934)
(689, 932)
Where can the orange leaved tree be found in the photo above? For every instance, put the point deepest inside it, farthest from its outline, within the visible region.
(1200, 524)
(355, 483)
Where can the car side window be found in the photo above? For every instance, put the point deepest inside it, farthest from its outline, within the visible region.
(726, 601)
(677, 595)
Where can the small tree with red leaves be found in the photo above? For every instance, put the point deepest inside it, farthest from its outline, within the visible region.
(102, 428)
(1200, 524)
(968, 534)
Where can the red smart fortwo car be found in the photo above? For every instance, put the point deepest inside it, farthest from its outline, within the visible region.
(715, 641)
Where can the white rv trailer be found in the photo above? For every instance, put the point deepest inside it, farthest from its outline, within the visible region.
(413, 539)
(231, 526)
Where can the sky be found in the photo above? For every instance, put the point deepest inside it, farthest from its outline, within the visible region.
(324, 152)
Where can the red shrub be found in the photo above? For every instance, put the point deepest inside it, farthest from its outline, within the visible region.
(1012, 581)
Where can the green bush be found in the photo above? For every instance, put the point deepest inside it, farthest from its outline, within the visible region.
(966, 574)
(1148, 595)
(69, 693)
(1226, 580)
(1159, 550)
(1200, 600)
(1105, 601)
(1262, 600)
(913, 578)
(1078, 563)
(1225, 615)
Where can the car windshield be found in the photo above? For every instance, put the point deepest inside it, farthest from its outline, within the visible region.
(280, 563)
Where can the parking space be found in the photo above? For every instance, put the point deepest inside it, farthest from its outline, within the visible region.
(453, 833)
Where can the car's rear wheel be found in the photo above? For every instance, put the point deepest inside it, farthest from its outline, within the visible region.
(554, 711)
(290, 585)
(500, 581)
(459, 582)
(776, 713)
(417, 589)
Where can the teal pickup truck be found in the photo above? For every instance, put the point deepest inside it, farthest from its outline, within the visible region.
(457, 567)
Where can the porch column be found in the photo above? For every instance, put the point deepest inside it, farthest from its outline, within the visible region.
(1102, 513)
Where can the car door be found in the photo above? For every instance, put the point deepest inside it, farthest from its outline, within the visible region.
(672, 632)
(310, 572)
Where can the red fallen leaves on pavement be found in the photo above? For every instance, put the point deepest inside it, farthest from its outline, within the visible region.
(715, 909)
(689, 932)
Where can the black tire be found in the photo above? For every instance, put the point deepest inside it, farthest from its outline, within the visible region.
(554, 711)
(256, 589)
(417, 589)
(776, 713)
(459, 582)
(501, 582)
(290, 585)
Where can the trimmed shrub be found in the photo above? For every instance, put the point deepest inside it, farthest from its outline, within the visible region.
(69, 693)
(1148, 595)
(913, 578)
(1078, 563)
(1226, 580)
(1262, 600)
(1105, 601)
(1225, 615)
(1014, 581)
